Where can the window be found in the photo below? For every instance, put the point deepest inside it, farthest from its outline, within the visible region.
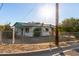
(27, 30)
(47, 29)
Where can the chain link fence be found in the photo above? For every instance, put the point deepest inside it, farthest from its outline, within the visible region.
(39, 42)
(7, 37)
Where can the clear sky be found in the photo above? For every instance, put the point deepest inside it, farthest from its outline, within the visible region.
(34, 12)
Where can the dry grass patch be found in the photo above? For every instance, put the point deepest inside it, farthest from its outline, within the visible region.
(12, 48)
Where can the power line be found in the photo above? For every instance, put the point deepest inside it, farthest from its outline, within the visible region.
(28, 13)
(1, 6)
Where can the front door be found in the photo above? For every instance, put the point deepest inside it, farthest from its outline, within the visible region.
(37, 32)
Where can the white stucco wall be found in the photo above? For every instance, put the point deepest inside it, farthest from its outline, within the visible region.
(44, 32)
(18, 31)
(30, 33)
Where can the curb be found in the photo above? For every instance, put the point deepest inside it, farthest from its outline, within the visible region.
(33, 51)
(66, 51)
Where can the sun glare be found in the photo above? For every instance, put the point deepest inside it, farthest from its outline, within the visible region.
(47, 11)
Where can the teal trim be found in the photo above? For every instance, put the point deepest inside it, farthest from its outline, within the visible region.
(18, 25)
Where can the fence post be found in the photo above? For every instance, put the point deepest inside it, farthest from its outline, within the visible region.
(0, 37)
(13, 41)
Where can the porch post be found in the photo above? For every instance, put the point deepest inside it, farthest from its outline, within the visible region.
(23, 31)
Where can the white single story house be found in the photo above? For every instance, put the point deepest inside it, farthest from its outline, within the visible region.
(32, 29)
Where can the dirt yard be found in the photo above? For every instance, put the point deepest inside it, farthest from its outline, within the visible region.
(32, 44)
(15, 48)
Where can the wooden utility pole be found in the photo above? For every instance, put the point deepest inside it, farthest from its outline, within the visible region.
(57, 18)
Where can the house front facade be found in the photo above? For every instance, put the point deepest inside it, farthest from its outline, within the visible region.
(32, 29)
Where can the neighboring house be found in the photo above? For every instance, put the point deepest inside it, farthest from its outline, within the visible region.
(32, 29)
